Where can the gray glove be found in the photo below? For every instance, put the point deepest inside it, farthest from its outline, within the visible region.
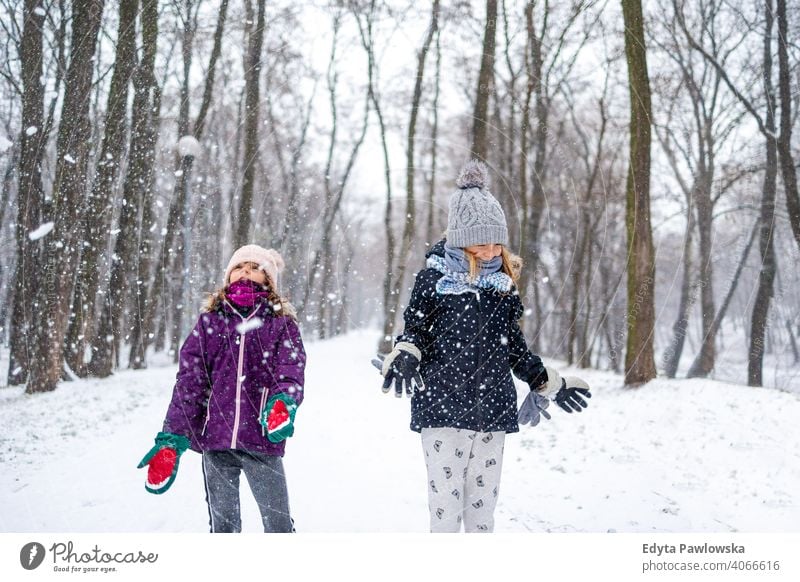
(533, 407)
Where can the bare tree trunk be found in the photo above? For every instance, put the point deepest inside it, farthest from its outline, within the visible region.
(388, 290)
(99, 208)
(367, 41)
(200, 122)
(639, 362)
(7, 203)
(788, 169)
(350, 254)
(61, 66)
(538, 69)
(480, 144)
(533, 204)
(705, 209)
(767, 216)
(766, 276)
(30, 192)
(140, 336)
(291, 217)
(69, 189)
(322, 262)
(720, 316)
(508, 135)
(431, 236)
(609, 329)
(6, 198)
(251, 132)
(584, 345)
(148, 296)
(411, 217)
(672, 356)
(334, 192)
(792, 341)
(584, 243)
(320, 266)
(135, 190)
(698, 195)
(179, 291)
(322, 258)
(532, 65)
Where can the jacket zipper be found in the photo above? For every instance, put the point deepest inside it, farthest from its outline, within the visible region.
(239, 370)
(479, 371)
(208, 413)
(264, 392)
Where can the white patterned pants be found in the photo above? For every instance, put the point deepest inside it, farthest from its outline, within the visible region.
(464, 470)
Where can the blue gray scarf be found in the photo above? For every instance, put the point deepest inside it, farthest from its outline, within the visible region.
(455, 268)
(457, 261)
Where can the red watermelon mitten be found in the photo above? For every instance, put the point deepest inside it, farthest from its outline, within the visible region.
(162, 461)
(278, 417)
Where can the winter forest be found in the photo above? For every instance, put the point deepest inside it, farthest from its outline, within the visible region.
(143, 141)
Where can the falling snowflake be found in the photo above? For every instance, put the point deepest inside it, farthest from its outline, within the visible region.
(188, 146)
(41, 232)
(249, 325)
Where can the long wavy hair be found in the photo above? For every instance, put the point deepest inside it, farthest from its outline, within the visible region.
(284, 307)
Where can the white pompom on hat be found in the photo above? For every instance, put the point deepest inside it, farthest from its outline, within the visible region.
(268, 260)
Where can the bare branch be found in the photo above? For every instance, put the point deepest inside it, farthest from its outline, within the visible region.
(742, 99)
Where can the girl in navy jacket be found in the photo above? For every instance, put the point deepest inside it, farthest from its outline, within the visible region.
(456, 355)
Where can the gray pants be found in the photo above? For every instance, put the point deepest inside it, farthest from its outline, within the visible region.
(267, 481)
(464, 470)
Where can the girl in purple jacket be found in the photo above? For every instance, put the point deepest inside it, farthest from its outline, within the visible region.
(239, 384)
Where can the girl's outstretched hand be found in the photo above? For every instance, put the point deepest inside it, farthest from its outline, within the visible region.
(572, 393)
(162, 461)
(401, 366)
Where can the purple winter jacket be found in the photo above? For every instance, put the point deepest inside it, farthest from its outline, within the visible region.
(226, 376)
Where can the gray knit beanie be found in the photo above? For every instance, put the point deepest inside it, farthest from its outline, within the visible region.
(475, 216)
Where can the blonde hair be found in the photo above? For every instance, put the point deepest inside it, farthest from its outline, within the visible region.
(214, 301)
(512, 264)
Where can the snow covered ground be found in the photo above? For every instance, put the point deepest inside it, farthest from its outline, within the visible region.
(674, 456)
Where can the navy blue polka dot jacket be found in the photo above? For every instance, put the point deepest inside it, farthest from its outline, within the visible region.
(470, 344)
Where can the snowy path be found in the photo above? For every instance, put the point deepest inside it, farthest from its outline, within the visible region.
(676, 456)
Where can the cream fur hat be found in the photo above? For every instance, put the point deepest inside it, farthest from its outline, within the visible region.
(269, 260)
